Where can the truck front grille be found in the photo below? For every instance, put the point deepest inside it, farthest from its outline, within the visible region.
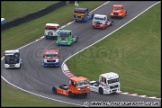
(112, 87)
(51, 60)
(115, 13)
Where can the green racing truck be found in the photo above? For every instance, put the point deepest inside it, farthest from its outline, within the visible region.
(66, 38)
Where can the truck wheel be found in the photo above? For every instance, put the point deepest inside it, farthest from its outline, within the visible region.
(100, 90)
(112, 22)
(76, 39)
(125, 13)
(54, 90)
(92, 16)
(71, 94)
(85, 95)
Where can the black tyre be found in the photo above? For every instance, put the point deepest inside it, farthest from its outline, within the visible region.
(112, 23)
(85, 95)
(76, 39)
(100, 90)
(92, 16)
(71, 95)
(54, 90)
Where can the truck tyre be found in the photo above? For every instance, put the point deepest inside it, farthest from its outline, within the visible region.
(100, 90)
(54, 90)
(112, 22)
(85, 95)
(125, 13)
(71, 95)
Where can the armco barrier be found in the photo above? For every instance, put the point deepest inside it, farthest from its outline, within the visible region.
(32, 16)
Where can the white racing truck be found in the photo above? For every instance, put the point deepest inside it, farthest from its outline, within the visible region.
(51, 30)
(12, 59)
(108, 83)
(101, 21)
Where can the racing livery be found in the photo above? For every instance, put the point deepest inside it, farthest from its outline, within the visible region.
(78, 86)
(108, 83)
(82, 15)
(51, 30)
(101, 21)
(118, 11)
(51, 58)
(12, 59)
(66, 37)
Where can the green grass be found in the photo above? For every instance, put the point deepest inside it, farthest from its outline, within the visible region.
(15, 9)
(20, 35)
(13, 98)
(34, 29)
(133, 52)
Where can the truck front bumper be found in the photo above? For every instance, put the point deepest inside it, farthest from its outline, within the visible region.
(50, 37)
(115, 90)
(12, 65)
(100, 27)
(46, 64)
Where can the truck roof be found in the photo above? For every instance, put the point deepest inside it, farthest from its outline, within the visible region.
(76, 79)
(81, 9)
(52, 24)
(51, 50)
(11, 51)
(117, 5)
(100, 15)
(110, 75)
(64, 30)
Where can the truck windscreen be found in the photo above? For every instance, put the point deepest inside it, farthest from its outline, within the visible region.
(79, 12)
(113, 81)
(81, 83)
(12, 56)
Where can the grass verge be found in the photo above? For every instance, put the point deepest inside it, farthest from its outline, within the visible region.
(133, 52)
(15, 9)
(25, 33)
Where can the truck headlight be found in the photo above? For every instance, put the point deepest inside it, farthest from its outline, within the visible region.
(45, 60)
(57, 60)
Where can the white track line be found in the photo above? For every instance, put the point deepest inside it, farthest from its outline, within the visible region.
(34, 42)
(63, 64)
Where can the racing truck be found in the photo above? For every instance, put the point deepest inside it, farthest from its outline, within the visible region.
(51, 30)
(118, 11)
(78, 86)
(108, 83)
(12, 59)
(82, 15)
(51, 58)
(66, 38)
(101, 21)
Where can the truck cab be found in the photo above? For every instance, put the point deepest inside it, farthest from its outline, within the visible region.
(51, 58)
(108, 83)
(118, 11)
(12, 59)
(101, 21)
(82, 15)
(78, 86)
(66, 37)
(51, 30)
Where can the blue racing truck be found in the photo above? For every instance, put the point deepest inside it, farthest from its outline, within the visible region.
(82, 15)
(12, 59)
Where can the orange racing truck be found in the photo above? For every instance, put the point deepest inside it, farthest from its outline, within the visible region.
(118, 11)
(78, 86)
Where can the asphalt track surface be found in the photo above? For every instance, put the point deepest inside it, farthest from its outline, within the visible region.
(35, 78)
